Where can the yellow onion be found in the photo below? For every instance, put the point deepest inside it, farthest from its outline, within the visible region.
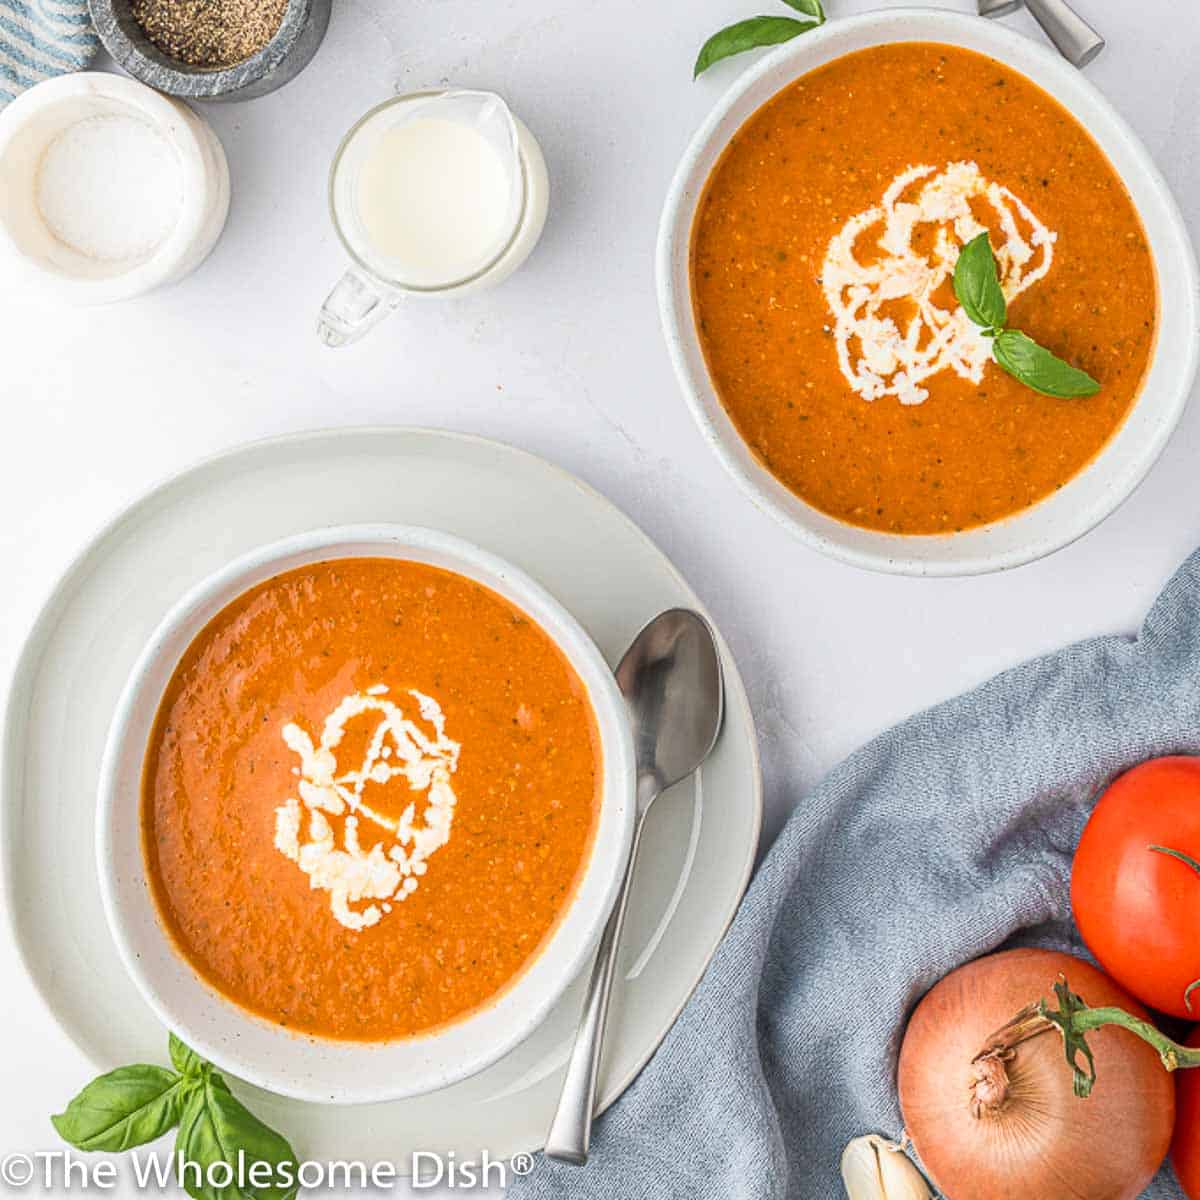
(994, 1115)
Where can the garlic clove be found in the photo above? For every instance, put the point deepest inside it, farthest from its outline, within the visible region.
(875, 1169)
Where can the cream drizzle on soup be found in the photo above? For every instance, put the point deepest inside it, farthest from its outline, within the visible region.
(897, 257)
(410, 747)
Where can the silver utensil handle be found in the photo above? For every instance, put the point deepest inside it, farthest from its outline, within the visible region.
(1076, 40)
(571, 1131)
(997, 8)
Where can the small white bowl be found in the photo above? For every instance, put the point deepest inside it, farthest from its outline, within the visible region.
(254, 1049)
(1092, 494)
(27, 128)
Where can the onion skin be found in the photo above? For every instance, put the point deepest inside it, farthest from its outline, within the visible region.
(1185, 1150)
(1018, 1133)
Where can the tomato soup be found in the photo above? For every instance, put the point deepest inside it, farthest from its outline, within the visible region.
(822, 260)
(369, 793)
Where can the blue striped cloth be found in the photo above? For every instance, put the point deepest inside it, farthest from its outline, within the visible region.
(41, 38)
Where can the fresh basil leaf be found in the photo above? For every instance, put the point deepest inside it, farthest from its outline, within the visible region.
(747, 35)
(1037, 368)
(214, 1127)
(977, 284)
(127, 1107)
(186, 1060)
(811, 8)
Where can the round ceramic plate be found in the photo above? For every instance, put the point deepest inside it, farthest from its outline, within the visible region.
(700, 842)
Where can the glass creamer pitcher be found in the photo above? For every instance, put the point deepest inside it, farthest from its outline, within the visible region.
(432, 194)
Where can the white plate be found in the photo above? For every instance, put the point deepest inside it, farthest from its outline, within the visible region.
(696, 859)
(1101, 486)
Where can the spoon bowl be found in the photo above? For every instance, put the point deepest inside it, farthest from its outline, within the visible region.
(671, 680)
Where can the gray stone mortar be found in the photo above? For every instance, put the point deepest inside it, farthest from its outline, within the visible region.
(281, 59)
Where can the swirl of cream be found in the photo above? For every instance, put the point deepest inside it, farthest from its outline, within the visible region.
(890, 330)
(398, 747)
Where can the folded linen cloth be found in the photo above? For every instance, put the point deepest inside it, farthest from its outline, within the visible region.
(41, 38)
(945, 838)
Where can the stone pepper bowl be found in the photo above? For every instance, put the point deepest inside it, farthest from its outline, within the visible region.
(281, 59)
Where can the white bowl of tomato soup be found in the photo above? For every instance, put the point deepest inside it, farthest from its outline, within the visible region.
(365, 806)
(805, 280)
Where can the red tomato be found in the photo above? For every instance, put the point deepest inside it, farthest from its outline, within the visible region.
(1138, 909)
(1185, 1149)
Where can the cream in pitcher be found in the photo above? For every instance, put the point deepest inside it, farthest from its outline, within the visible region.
(435, 193)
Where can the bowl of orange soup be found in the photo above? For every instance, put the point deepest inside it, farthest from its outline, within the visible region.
(364, 809)
(805, 274)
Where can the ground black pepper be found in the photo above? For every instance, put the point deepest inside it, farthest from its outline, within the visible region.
(209, 33)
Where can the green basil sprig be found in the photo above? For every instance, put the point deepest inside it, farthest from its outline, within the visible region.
(214, 1127)
(127, 1107)
(134, 1105)
(977, 286)
(759, 31)
(1037, 368)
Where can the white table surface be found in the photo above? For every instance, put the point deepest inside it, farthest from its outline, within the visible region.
(565, 359)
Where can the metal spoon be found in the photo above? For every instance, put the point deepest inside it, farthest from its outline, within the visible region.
(671, 680)
(1076, 40)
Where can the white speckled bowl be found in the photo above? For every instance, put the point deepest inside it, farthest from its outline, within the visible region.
(297, 1065)
(1094, 493)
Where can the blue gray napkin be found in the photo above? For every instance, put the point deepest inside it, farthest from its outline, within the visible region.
(945, 838)
(40, 38)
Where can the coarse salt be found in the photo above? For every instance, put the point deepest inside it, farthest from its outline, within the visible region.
(109, 187)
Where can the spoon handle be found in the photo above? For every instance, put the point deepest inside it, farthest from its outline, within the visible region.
(571, 1131)
(1076, 40)
(997, 8)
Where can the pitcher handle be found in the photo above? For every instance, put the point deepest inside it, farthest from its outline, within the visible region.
(356, 305)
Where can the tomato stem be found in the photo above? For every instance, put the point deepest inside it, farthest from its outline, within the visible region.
(1074, 1020)
(1179, 854)
(1188, 860)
